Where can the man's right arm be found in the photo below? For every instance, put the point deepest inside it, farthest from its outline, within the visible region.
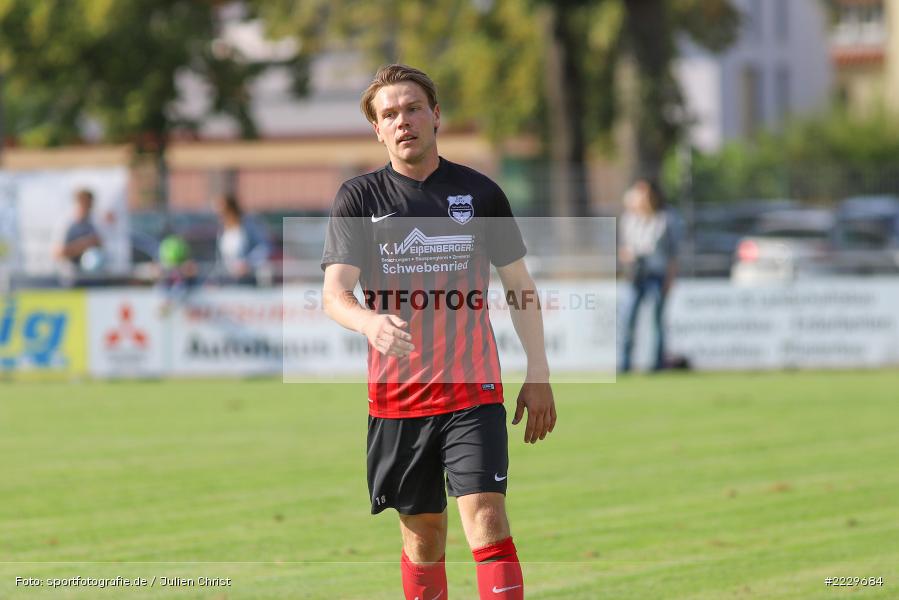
(384, 332)
(63, 248)
(79, 246)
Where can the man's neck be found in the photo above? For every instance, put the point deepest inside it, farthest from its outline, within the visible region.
(418, 171)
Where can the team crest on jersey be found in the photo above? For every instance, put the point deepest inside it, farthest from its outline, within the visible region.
(461, 208)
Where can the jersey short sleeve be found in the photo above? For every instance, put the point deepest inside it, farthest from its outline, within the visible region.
(504, 242)
(345, 236)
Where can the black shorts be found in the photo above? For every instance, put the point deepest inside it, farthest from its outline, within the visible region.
(407, 458)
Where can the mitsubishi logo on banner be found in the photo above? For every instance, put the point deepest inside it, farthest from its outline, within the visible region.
(126, 333)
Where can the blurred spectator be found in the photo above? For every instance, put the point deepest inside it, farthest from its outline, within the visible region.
(647, 250)
(243, 248)
(178, 273)
(77, 246)
(80, 245)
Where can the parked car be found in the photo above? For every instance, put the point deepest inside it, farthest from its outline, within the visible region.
(298, 239)
(786, 245)
(866, 235)
(717, 230)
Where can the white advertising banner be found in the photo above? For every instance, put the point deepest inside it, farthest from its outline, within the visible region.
(314, 344)
(255, 332)
(9, 226)
(839, 323)
(227, 332)
(828, 323)
(127, 333)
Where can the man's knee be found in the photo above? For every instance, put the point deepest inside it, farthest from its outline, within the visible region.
(484, 518)
(424, 536)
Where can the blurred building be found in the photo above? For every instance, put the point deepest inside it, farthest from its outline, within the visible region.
(307, 147)
(331, 108)
(865, 53)
(308, 144)
(778, 67)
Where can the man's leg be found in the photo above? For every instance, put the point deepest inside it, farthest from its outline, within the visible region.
(405, 472)
(487, 531)
(659, 322)
(637, 290)
(424, 536)
(424, 552)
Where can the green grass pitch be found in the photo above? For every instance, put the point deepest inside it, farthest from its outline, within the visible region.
(675, 486)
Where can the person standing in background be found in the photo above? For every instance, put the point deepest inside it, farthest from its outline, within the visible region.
(647, 249)
(242, 245)
(81, 235)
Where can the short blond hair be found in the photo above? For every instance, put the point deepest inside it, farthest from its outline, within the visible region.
(390, 75)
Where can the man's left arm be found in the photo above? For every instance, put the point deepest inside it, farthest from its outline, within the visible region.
(79, 246)
(536, 394)
(63, 249)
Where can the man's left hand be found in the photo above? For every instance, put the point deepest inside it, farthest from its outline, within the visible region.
(538, 399)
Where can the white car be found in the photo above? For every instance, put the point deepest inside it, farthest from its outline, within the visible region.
(786, 245)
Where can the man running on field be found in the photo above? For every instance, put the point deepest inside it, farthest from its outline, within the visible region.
(420, 235)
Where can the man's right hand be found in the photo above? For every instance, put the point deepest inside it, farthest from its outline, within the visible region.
(386, 333)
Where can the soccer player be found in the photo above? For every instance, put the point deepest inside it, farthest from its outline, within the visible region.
(420, 235)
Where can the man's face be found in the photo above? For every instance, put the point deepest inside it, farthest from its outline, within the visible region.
(406, 124)
(84, 205)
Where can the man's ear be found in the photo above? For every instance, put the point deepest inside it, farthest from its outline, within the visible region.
(377, 132)
(436, 117)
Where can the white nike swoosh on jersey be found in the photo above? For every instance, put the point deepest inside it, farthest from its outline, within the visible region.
(497, 590)
(375, 219)
(498, 478)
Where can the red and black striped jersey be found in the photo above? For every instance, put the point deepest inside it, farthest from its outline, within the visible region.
(424, 250)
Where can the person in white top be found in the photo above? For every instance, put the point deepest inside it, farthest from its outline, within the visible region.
(647, 250)
(242, 246)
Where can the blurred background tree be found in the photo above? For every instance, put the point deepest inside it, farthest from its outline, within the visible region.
(109, 66)
(824, 159)
(548, 68)
(651, 31)
(567, 72)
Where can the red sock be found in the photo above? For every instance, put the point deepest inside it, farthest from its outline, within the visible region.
(424, 582)
(499, 572)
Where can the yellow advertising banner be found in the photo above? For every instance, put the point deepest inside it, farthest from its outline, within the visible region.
(43, 332)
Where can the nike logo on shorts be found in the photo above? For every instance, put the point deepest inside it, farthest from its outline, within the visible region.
(375, 219)
(498, 478)
(497, 590)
